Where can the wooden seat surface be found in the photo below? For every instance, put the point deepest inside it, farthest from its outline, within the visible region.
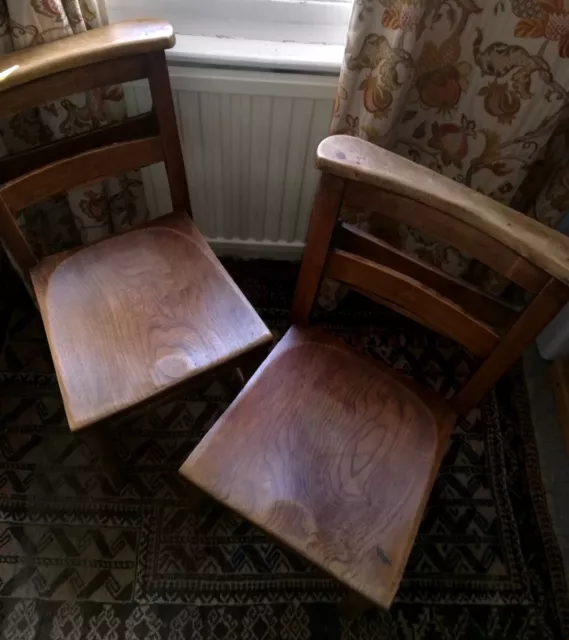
(332, 454)
(137, 313)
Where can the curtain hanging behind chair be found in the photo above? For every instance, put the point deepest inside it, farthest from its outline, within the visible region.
(82, 215)
(476, 90)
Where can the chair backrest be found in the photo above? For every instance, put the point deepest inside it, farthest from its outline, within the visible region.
(359, 175)
(118, 53)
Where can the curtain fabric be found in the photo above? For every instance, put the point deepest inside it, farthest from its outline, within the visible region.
(477, 90)
(82, 215)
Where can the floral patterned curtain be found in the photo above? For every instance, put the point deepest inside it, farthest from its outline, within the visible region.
(477, 90)
(82, 215)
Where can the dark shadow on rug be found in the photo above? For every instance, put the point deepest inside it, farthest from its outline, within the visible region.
(83, 558)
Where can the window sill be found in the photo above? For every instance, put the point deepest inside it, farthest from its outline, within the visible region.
(321, 59)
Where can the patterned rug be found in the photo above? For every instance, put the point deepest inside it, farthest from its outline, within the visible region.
(83, 558)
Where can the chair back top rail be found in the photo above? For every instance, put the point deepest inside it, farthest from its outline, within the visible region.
(119, 40)
(75, 80)
(358, 160)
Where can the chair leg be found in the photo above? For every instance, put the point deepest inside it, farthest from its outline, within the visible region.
(100, 442)
(233, 380)
(238, 377)
(251, 365)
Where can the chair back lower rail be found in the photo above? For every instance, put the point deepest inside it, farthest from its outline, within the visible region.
(485, 307)
(439, 312)
(16, 165)
(79, 170)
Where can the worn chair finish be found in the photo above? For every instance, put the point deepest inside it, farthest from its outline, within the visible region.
(328, 450)
(136, 315)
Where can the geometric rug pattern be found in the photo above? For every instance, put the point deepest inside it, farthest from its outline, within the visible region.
(81, 557)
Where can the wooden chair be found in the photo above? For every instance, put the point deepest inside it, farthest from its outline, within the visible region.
(134, 316)
(326, 449)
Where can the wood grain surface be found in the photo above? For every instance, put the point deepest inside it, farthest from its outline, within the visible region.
(358, 160)
(332, 456)
(433, 309)
(479, 304)
(117, 40)
(135, 314)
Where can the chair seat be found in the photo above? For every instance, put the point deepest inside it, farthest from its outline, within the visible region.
(131, 316)
(332, 454)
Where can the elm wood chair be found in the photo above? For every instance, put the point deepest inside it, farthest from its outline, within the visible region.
(132, 317)
(326, 449)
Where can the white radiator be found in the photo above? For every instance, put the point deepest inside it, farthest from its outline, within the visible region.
(249, 142)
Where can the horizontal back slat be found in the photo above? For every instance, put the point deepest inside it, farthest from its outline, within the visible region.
(480, 305)
(76, 80)
(467, 239)
(408, 294)
(13, 166)
(79, 170)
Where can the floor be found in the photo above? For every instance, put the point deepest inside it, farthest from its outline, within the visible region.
(472, 591)
(554, 458)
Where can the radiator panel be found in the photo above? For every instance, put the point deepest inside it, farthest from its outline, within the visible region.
(249, 142)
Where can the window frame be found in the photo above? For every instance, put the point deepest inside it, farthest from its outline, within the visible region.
(303, 21)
